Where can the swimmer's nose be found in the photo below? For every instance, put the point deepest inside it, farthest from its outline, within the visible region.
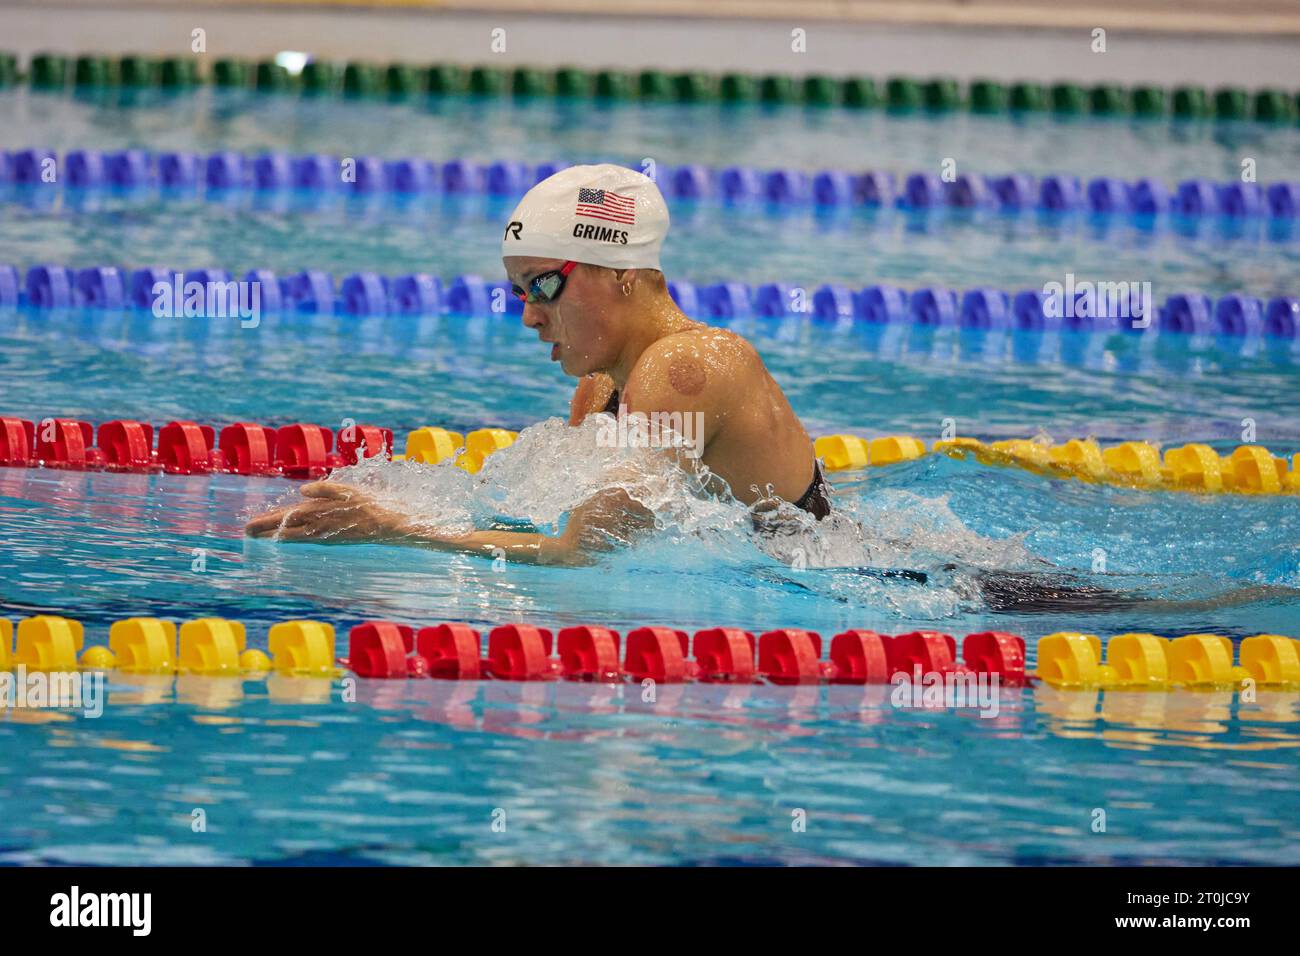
(533, 316)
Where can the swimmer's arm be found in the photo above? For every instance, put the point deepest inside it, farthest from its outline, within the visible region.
(591, 396)
(334, 513)
(598, 525)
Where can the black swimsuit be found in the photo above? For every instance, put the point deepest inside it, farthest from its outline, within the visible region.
(816, 500)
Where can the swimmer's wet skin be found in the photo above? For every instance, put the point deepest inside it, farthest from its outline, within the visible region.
(600, 300)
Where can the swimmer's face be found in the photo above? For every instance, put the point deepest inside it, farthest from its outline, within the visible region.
(579, 323)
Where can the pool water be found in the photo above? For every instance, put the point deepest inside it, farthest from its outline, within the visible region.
(419, 772)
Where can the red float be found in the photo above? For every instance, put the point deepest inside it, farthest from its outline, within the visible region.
(249, 449)
(127, 445)
(66, 443)
(724, 655)
(790, 656)
(928, 651)
(451, 651)
(186, 448)
(658, 654)
(303, 451)
(520, 652)
(588, 653)
(859, 657)
(376, 440)
(17, 442)
(996, 652)
(379, 649)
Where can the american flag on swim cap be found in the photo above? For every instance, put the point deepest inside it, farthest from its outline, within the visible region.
(603, 204)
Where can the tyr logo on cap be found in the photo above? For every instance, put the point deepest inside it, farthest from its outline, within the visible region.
(513, 228)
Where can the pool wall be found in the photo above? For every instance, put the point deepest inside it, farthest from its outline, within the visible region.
(1180, 51)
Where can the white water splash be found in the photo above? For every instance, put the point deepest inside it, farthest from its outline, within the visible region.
(553, 467)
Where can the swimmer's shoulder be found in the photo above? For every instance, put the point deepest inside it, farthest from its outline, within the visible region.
(701, 364)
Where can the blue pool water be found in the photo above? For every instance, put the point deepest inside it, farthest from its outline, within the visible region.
(414, 772)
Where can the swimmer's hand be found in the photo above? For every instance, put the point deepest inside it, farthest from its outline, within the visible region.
(340, 514)
(333, 513)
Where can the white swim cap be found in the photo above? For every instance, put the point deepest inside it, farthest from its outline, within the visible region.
(604, 215)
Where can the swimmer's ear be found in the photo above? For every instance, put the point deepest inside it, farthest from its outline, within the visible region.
(625, 278)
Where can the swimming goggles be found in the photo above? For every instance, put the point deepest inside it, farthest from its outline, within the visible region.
(545, 287)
